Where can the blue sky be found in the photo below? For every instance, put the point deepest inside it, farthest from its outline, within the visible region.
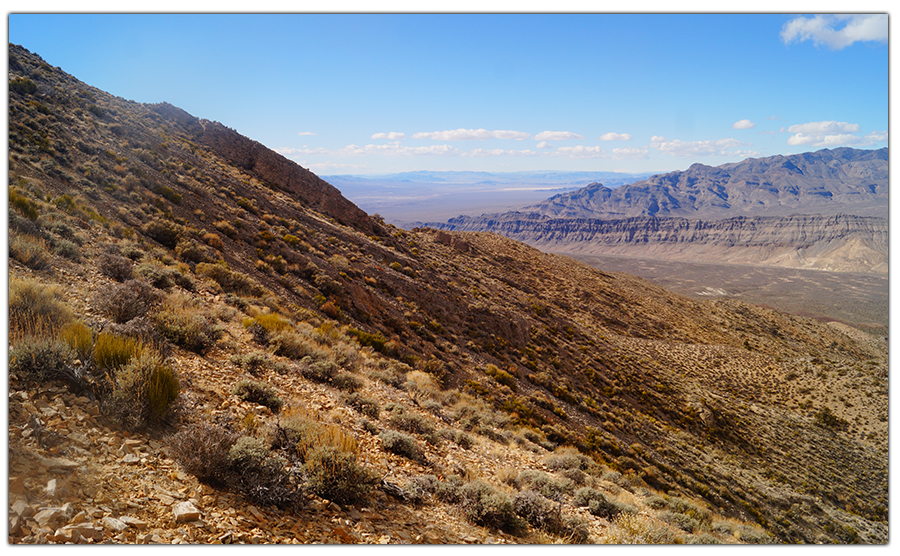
(379, 93)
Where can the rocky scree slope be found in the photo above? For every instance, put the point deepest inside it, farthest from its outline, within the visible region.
(509, 394)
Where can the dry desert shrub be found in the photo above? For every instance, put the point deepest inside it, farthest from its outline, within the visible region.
(402, 444)
(34, 307)
(229, 280)
(115, 266)
(182, 321)
(202, 450)
(128, 300)
(31, 251)
(244, 464)
(364, 405)
(483, 504)
(143, 392)
(41, 358)
(329, 456)
(630, 528)
(260, 393)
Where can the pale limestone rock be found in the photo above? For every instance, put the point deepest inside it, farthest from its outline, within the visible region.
(135, 523)
(20, 507)
(185, 511)
(113, 524)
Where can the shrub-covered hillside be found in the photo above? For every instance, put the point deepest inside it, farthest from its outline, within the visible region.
(208, 344)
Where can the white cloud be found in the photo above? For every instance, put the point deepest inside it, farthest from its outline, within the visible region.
(657, 139)
(688, 149)
(743, 124)
(828, 140)
(499, 152)
(306, 133)
(828, 134)
(824, 127)
(392, 135)
(556, 136)
(630, 152)
(615, 136)
(836, 31)
(544, 145)
(393, 148)
(517, 135)
(580, 152)
(471, 135)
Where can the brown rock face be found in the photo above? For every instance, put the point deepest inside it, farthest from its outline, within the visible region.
(281, 173)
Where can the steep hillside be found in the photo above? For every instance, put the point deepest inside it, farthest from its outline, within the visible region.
(839, 243)
(829, 181)
(210, 344)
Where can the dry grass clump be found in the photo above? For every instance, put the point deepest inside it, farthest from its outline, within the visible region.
(183, 322)
(630, 528)
(112, 351)
(421, 387)
(143, 392)
(79, 337)
(35, 308)
(31, 251)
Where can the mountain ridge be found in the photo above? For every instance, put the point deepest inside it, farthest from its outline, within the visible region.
(838, 243)
(344, 378)
(822, 182)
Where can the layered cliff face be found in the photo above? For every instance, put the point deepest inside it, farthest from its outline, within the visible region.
(841, 243)
(849, 181)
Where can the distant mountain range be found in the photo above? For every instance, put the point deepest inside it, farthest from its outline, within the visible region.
(525, 178)
(746, 212)
(844, 180)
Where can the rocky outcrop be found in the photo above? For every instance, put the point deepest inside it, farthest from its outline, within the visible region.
(276, 170)
(839, 243)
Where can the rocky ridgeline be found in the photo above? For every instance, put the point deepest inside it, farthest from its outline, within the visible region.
(842, 243)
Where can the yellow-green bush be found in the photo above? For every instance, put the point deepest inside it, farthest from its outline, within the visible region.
(112, 352)
(79, 337)
(143, 392)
